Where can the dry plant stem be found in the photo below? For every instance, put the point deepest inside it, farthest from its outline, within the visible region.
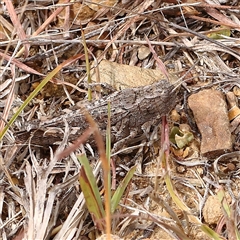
(39, 40)
(18, 27)
(20, 64)
(66, 23)
(217, 6)
(216, 30)
(37, 89)
(164, 153)
(45, 24)
(9, 100)
(87, 65)
(223, 20)
(228, 24)
(160, 64)
(206, 38)
(82, 139)
(59, 82)
(142, 8)
(6, 24)
(39, 220)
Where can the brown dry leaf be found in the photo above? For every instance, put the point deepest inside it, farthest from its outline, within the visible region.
(122, 76)
(78, 13)
(175, 116)
(112, 237)
(190, 11)
(178, 152)
(234, 110)
(55, 87)
(92, 26)
(223, 20)
(236, 91)
(98, 4)
(233, 113)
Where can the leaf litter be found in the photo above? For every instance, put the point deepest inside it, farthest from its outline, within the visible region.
(196, 42)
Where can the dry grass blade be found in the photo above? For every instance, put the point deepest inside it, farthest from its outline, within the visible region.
(223, 20)
(159, 62)
(17, 25)
(45, 24)
(39, 199)
(41, 43)
(20, 64)
(37, 89)
(229, 214)
(87, 65)
(9, 101)
(141, 8)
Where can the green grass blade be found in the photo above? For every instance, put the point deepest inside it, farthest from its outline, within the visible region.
(108, 147)
(178, 201)
(87, 64)
(89, 186)
(212, 234)
(121, 188)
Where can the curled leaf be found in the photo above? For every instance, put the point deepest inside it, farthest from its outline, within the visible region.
(180, 138)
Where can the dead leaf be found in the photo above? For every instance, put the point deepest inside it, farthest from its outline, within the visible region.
(236, 91)
(122, 76)
(78, 13)
(98, 4)
(180, 137)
